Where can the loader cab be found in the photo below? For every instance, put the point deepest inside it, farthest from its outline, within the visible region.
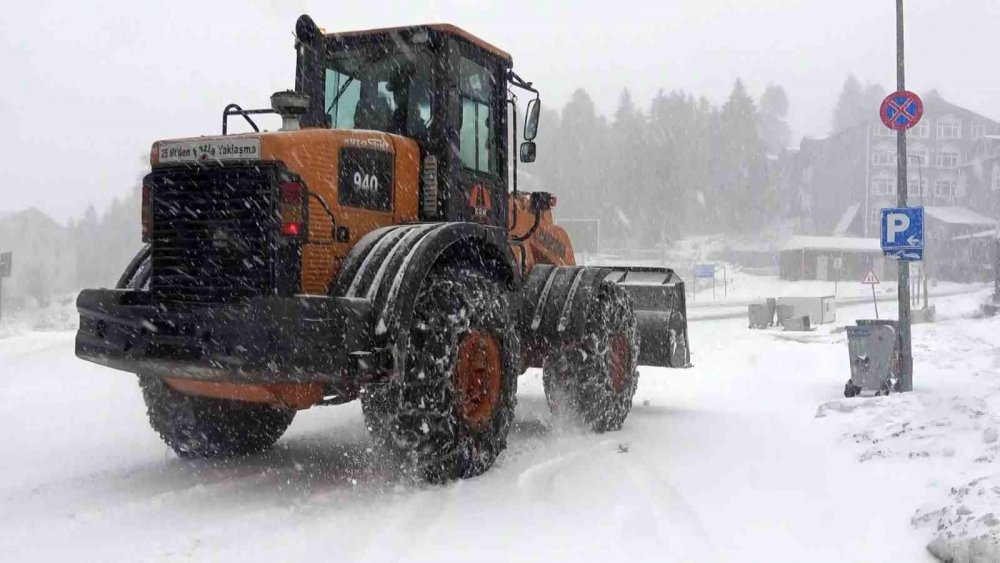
(436, 84)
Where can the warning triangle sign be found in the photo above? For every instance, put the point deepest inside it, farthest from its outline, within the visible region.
(870, 278)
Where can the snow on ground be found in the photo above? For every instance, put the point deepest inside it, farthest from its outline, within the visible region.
(752, 455)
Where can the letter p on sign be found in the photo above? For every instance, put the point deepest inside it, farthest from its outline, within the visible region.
(897, 224)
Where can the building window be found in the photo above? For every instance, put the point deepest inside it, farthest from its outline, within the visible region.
(977, 130)
(995, 183)
(976, 150)
(921, 131)
(883, 184)
(945, 187)
(912, 183)
(874, 215)
(883, 157)
(947, 158)
(881, 130)
(949, 128)
(919, 156)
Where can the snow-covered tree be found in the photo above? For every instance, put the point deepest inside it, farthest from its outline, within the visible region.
(771, 119)
(856, 103)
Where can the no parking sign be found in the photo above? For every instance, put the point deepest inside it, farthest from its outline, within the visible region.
(901, 110)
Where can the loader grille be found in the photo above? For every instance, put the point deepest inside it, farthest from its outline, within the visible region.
(212, 234)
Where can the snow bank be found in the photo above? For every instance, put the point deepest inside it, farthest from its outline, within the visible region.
(58, 315)
(944, 436)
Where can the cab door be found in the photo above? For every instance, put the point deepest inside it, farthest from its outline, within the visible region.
(481, 137)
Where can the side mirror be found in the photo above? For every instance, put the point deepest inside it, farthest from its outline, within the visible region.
(531, 121)
(528, 151)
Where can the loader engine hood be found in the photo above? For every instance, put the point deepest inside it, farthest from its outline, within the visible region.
(293, 148)
(356, 181)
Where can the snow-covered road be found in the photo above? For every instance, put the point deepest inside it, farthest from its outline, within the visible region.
(727, 461)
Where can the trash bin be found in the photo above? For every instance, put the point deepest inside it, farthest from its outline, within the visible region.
(784, 312)
(761, 315)
(873, 348)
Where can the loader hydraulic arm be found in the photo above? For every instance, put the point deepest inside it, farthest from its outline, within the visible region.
(539, 202)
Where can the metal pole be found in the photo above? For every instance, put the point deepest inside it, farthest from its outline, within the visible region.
(1, 298)
(996, 269)
(874, 301)
(923, 265)
(903, 285)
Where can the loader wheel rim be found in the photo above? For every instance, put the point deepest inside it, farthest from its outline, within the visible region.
(477, 377)
(620, 356)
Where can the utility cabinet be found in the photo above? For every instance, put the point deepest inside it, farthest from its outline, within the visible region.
(820, 310)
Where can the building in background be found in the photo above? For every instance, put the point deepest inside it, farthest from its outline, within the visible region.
(45, 259)
(842, 182)
(979, 175)
(833, 259)
(959, 243)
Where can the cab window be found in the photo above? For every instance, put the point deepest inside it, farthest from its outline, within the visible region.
(342, 93)
(386, 92)
(477, 141)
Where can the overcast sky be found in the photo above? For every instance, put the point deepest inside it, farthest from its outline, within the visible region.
(86, 89)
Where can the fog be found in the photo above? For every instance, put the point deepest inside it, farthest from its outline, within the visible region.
(711, 181)
(88, 89)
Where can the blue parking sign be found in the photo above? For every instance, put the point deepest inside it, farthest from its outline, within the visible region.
(704, 270)
(903, 233)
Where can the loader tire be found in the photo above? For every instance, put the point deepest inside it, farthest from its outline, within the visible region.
(593, 379)
(207, 427)
(446, 414)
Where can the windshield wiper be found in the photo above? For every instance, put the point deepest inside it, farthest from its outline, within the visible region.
(340, 93)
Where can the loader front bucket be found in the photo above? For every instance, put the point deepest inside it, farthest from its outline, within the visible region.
(661, 312)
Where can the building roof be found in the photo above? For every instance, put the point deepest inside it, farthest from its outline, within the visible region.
(846, 219)
(958, 216)
(838, 244)
(988, 233)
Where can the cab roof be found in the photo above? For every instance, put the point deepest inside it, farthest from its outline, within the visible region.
(445, 28)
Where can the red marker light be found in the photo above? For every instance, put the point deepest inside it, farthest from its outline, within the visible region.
(290, 229)
(291, 203)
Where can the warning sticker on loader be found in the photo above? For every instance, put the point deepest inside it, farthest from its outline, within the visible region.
(479, 201)
(209, 150)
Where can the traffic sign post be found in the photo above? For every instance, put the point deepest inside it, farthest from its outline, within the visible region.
(703, 271)
(900, 111)
(872, 280)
